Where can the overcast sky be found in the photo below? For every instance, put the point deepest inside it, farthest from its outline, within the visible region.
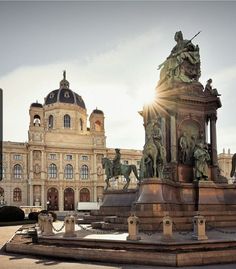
(111, 51)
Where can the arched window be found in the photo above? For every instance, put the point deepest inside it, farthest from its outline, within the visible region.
(37, 120)
(66, 121)
(50, 122)
(84, 172)
(2, 172)
(2, 199)
(52, 170)
(84, 195)
(98, 126)
(69, 171)
(17, 171)
(1, 191)
(17, 195)
(81, 124)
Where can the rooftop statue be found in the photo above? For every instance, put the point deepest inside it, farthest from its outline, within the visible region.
(183, 63)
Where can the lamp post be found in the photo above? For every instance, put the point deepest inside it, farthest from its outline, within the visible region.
(48, 203)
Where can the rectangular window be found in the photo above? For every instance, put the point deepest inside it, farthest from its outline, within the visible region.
(69, 157)
(52, 156)
(17, 157)
(84, 158)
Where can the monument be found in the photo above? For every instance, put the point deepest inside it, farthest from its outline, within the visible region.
(179, 185)
(179, 172)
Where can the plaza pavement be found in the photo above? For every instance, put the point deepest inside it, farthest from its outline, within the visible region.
(12, 261)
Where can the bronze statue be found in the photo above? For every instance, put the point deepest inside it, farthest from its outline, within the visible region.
(116, 163)
(183, 64)
(184, 148)
(201, 157)
(120, 169)
(154, 154)
(209, 88)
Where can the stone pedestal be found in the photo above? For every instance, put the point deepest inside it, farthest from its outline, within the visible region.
(47, 225)
(133, 223)
(69, 226)
(167, 229)
(199, 228)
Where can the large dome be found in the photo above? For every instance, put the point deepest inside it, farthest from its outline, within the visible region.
(64, 95)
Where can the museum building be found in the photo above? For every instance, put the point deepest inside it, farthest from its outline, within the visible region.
(60, 165)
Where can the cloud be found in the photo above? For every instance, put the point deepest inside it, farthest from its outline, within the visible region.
(117, 82)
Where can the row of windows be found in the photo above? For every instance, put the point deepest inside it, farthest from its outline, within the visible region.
(52, 192)
(17, 195)
(66, 120)
(52, 171)
(68, 172)
(68, 157)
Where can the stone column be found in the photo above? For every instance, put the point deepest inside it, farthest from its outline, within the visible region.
(61, 170)
(76, 197)
(173, 138)
(31, 194)
(42, 196)
(43, 167)
(76, 167)
(94, 177)
(61, 196)
(31, 161)
(213, 119)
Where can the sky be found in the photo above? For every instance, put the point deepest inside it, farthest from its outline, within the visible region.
(111, 51)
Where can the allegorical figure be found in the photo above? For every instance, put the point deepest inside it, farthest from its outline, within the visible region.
(209, 88)
(184, 148)
(201, 157)
(183, 64)
(154, 154)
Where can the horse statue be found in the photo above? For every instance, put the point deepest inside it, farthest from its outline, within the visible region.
(152, 162)
(125, 170)
(233, 165)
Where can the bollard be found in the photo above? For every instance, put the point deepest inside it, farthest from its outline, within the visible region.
(69, 226)
(133, 223)
(47, 225)
(40, 222)
(167, 229)
(199, 228)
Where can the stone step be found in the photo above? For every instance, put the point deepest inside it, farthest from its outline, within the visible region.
(97, 224)
(110, 219)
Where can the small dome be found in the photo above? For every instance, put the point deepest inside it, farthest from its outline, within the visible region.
(36, 105)
(64, 95)
(97, 111)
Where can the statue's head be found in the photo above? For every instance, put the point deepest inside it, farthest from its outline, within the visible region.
(178, 36)
(209, 81)
(117, 150)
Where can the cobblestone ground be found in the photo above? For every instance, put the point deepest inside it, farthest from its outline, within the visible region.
(9, 261)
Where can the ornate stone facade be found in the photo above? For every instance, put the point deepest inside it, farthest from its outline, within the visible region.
(60, 165)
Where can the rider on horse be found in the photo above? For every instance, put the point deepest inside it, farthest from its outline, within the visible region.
(116, 163)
